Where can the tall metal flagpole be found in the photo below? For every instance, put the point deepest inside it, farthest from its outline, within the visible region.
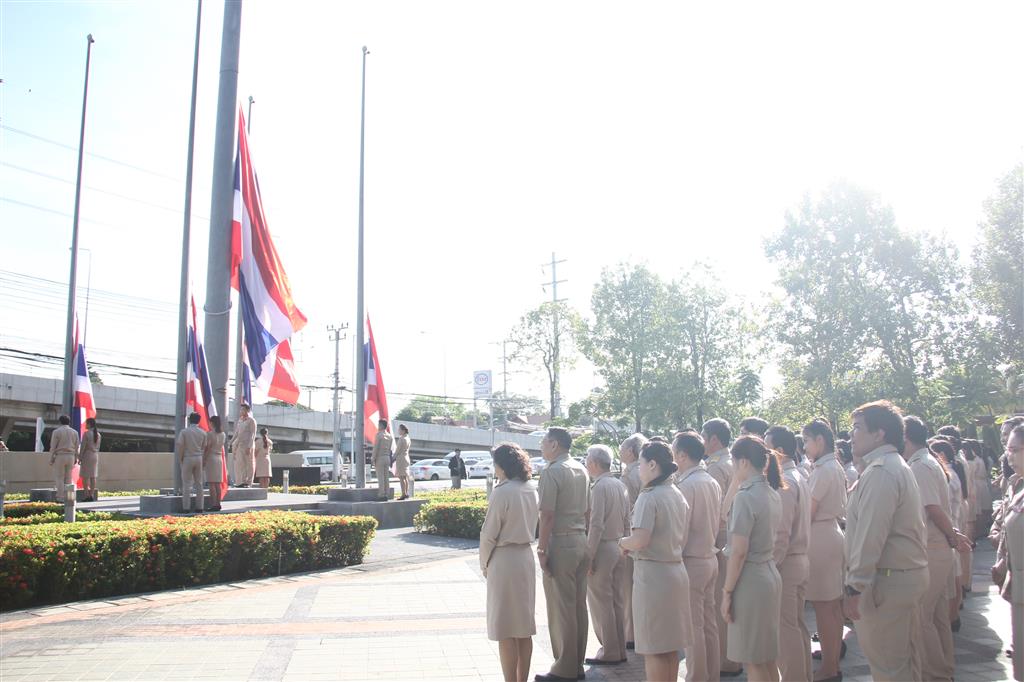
(358, 458)
(69, 343)
(218, 277)
(186, 236)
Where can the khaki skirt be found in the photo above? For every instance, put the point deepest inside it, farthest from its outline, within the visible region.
(213, 468)
(661, 607)
(90, 465)
(754, 632)
(511, 593)
(826, 553)
(263, 467)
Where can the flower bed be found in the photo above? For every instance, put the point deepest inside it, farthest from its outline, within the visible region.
(453, 519)
(302, 489)
(56, 562)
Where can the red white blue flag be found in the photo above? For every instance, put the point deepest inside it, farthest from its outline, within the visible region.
(82, 405)
(198, 391)
(269, 314)
(375, 400)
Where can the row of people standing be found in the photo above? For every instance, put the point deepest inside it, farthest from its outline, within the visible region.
(68, 448)
(1007, 534)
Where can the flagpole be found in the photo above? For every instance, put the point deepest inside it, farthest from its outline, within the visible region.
(69, 349)
(358, 458)
(218, 276)
(186, 236)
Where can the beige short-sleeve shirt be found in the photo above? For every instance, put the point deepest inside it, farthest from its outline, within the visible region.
(704, 497)
(565, 491)
(511, 519)
(720, 467)
(793, 532)
(631, 477)
(662, 509)
(755, 514)
(934, 489)
(64, 441)
(609, 512)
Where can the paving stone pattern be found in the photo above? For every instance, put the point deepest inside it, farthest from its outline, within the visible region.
(414, 611)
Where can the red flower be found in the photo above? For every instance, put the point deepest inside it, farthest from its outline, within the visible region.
(29, 552)
(23, 586)
(60, 553)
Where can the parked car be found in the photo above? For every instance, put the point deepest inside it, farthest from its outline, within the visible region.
(430, 470)
(470, 454)
(323, 459)
(480, 468)
(538, 464)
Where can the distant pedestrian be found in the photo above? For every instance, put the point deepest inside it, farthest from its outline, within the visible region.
(629, 455)
(89, 458)
(457, 468)
(3, 446)
(383, 447)
(64, 445)
(242, 447)
(506, 560)
(402, 446)
(263, 448)
(189, 450)
(213, 461)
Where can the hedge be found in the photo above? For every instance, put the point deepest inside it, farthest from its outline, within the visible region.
(58, 517)
(454, 519)
(453, 495)
(302, 489)
(60, 562)
(14, 497)
(23, 509)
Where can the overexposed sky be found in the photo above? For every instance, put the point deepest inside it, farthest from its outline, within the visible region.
(497, 134)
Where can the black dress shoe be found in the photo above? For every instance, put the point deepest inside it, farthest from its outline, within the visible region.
(601, 661)
(631, 646)
(842, 653)
(955, 625)
(552, 678)
(731, 673)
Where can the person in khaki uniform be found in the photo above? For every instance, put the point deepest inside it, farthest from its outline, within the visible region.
(887, 562)
(704, 497)
(717, 435)
(1008, 572)
(263, 447)
(242, 447)
(792, 537)
(402, 446)
(937, 658)
(661, 594)
(629, 455)
(562, 554)
(507, 562)
(189, 450)
(213, 461)
(383, 446)
(609, 519)
(89, 458)
(64, 445)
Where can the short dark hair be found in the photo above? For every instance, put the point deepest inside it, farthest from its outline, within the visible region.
(194, 418)
(64, 419)
(882, 415)
(215, 423)
(950, 430)
(755, 425)
(403, 427)
(382, 423)
(718, 428)
(753, 449)
(844, 450)
(820, 427)
(513, 460)
(661, 454)
(915, 431)
(690, 444)
(659, 439)
(560, 436)
(1018, 430)
(783, 440)
(1013, 422)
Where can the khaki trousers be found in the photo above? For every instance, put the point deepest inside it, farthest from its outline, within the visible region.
(606, 600)
(723, 629)
(703, 659)
(565, 593)
(794, 638)
(63, 470)
(627, 596)
(890, 625)
(383, 467)
(937, 659)
(192, 477)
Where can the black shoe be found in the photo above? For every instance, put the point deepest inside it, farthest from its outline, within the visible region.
(955, 625)
(815, 638)
(601, 661)
(838, 677)
(404, 497)
(842, 653)
(631, 646)
(731, 673)
(217, 508)
(552, 678)
(382, 499)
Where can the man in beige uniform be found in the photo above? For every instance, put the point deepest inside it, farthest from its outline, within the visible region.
(937, 658)
(629, 456)
(886, 559)
(717, 435)
(383, 446)
(402, 446)
(609, 519)
(189, 450)
(562, 554)
(64, 445)
(242, 447)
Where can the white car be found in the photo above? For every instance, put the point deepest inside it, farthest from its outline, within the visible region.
(430, 470)
(537, 464)
(481, 468)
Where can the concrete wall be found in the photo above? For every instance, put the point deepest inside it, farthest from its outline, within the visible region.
(118, 470)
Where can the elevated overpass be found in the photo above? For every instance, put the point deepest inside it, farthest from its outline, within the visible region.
(147, 417)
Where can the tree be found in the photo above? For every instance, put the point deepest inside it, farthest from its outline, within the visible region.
(423, 408)
(535, 340)
(514, 403)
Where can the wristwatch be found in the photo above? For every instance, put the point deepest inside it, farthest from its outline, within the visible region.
(851, 592)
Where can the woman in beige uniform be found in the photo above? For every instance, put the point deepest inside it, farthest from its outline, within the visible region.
(213, 461)
(752, 594)
(263, 447)
(507, 562)
(661, 589)
(89, 457)
(828, 486)
(1011, 553)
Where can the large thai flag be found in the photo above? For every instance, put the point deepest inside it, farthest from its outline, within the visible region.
(375, 400)
(82, 405)
(269, 314)
(198, 389)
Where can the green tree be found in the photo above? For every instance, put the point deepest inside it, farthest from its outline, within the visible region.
(423, 408)
(546, 335)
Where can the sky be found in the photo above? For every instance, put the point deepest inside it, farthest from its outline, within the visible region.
(497, 134)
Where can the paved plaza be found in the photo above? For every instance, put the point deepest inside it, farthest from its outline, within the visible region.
(414, 611)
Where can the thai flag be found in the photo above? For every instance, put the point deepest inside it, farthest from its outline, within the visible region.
(269, 314)
(375, 400)
(82, 405)
(198, 391)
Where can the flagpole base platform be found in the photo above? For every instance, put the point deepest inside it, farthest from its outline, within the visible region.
(356, 494)
(50, 495)
(154, 505)
(394, 514)
(232, 494)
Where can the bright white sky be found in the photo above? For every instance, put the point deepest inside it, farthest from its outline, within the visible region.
(497, 134)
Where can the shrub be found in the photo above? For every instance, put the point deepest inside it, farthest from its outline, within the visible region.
(59, 562)
(450, 495)
(58, 517)
(23, 509)
(454, 519)
(302, 489)
(13, 497)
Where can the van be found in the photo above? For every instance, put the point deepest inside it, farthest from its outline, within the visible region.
(322, 459)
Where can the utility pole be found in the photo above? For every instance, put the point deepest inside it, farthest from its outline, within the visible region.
(504, 382)
(339, 334)
(556, 398)
(358, 459)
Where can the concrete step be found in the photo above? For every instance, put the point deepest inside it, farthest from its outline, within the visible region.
(233, 494)
(393, 514)
(356, 494)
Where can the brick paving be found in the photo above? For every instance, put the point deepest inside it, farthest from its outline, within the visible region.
(414, 611)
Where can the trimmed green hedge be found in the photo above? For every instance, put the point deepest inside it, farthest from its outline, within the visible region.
(450, 495)
(24, 509)
(59, 562)
(58, 517)
(17, 497)
(302, 489)
(454, 519)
